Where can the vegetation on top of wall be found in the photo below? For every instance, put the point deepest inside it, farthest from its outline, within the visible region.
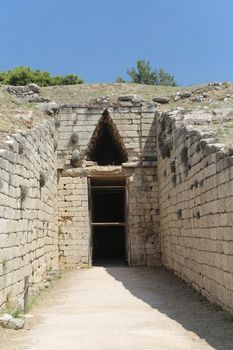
(23, 195)
(4, 264)
(184, 155)
(75, 159)
(179, 214)
(74, 138)
(173, 166)
(21, 76)
(42, 179)
(174, 179)
(165, 143)
(165, 147)
(57, 123)
(165, 138)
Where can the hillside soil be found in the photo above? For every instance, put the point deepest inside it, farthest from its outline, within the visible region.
(17, 113)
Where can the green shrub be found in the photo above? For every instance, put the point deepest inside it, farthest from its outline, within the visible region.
(24, 75)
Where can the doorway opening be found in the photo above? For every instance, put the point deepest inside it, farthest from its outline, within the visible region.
(108, 220)
(106, 145)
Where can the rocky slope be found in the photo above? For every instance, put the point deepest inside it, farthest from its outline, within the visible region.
(22, 107)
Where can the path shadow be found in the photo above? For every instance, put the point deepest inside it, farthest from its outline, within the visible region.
(168, 294)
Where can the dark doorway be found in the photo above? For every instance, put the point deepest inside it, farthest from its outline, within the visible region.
(108, 221)
(106, 146)
(108, 244)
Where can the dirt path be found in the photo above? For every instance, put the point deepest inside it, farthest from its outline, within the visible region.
(121, 308)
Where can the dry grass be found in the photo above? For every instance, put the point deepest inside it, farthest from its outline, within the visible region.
(225, 133)
(13, 112)
(87, 92)
(15, 115)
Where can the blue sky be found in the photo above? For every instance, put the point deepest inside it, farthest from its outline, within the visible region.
(100, 39)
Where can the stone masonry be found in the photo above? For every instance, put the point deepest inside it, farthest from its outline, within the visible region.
(178, 188)
(196, 203)
(28, 210)
(134, 125)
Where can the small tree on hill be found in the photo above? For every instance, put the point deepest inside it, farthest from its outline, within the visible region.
(144, 74)
(120, 80)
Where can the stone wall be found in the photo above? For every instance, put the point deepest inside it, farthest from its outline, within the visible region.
(179, 205)
(196, 206)
(143, 218)
(135, 127)
(135, 123)
(28, 214)
(74, 227)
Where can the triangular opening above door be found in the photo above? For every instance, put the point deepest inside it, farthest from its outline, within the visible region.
(106, 146)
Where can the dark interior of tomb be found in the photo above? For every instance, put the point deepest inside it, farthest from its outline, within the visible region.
(108, 225)
(107, 205)
(108, 245)
(107, 150)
